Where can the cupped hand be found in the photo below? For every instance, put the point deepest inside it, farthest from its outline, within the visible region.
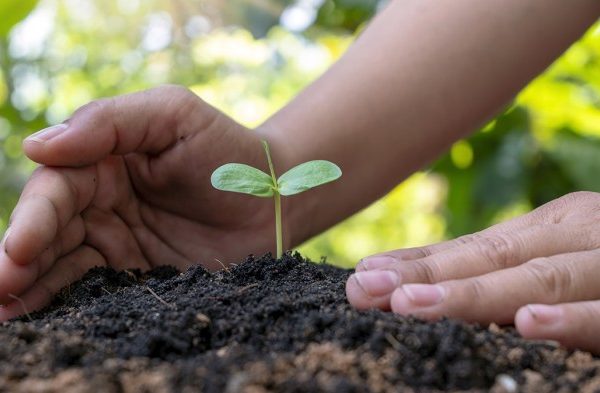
(540, 271)
(125, 182)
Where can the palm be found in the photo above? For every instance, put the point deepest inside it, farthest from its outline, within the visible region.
(170, 214)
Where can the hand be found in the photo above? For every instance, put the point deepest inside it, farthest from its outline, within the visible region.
(125, 182)
(540, 271)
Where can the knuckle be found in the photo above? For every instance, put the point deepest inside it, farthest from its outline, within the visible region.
(581, 195)
(429, 271)
(421, 252)
(554, 280)
(181, 102)
(559, 207)
(466, 239)
(173, 89)
(550, 213)
(177, 95)
(474, 289)
(585, 236)
(498, 250)
(571, 197)
(97, 107)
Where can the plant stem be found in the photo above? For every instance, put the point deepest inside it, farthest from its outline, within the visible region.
(278, 234)
(277, 197)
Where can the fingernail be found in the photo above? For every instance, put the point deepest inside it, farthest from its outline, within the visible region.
(377, 283)
(545, 314)
(6, 233)
(372, 263)
(424, 295)
(47, 133)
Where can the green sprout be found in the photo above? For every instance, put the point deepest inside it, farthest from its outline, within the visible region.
(245, 179)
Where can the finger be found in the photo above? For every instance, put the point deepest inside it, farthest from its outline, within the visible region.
(574, 325)
(50, 200)
(496, 297)
(388, 258)
(65, 271)
(71, 237)
(114, 238)
(15, 278)
(144, 122)
(487, 252)
(547, 215)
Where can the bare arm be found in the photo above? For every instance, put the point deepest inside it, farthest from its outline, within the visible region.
(421, 76)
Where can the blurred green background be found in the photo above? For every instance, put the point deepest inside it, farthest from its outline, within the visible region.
(248, 58)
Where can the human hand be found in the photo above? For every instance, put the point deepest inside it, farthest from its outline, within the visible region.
(540, 271)
(125, 182)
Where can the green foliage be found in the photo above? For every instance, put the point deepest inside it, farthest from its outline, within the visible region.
(249, 180)
(345, 14)
(256, 16)
(245, 179)
(306, 176)
(579, 158)
(237, 55)
(504, 159)
(13, 11)
(242, 178)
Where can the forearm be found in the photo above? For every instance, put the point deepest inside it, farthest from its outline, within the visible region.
(422, 75)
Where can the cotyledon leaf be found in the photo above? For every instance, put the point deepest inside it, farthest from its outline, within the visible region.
(306, 176)
(243, 179)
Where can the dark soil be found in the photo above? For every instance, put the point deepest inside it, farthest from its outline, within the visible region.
(263, 326)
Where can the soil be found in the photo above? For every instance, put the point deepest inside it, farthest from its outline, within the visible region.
(263, 326)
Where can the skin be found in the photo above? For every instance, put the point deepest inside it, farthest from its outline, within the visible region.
(125, 183)
(539, 271)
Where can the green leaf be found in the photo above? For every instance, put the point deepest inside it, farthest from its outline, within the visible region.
(13, 11)
(578, 158)
(243, 179)
(306, 176)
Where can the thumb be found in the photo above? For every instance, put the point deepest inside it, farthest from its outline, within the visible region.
(150, 122)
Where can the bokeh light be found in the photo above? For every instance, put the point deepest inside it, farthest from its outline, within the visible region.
(249, 59)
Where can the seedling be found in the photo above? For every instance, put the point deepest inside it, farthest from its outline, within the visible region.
(245, 179)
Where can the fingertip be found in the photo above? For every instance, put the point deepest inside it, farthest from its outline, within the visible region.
(14, 278)
(38, 146)
(423, 301)
(24, 245)
(525, 322)
(355, 294)
(86, 138)
(399, 302)
(47, 134)
(11, 251)
(361, 300)
(34, 227)
(540, 321)
(376, 262)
